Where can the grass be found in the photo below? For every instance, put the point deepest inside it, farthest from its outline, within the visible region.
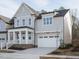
(6, 51)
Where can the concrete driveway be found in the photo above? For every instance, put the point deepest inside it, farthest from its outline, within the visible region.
(37, 51)
(33, 53)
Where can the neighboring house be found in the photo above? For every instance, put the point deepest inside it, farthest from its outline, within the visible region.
(46, 29)
(4, 25)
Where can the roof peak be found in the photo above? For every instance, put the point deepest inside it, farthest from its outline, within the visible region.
(60, 10)
(24, 4)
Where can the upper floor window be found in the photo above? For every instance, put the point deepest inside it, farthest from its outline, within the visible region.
(17, 22)
(44, 21)
(48, 20)
(23, 22)
(29, 21)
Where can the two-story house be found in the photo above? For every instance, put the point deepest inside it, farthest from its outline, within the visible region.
(46, 29)
(4, 25)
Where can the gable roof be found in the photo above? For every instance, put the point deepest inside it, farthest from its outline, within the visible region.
(5, 19)
(36, 13)
(61, 12)
(32, 11)
(30, 8)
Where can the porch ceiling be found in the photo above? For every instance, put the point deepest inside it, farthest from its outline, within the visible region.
(22, 27)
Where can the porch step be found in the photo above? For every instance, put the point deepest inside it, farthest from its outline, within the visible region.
(21, 46)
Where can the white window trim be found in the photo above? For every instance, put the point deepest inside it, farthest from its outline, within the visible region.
(47, 20)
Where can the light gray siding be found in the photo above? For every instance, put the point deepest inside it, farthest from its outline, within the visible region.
(57, 24)
(3, 35)
(23, 13)
(2, 26)
(68, 28)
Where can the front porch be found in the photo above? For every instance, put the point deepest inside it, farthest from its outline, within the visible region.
(20, 36)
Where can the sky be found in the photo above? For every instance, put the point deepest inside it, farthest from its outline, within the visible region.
(9, 7)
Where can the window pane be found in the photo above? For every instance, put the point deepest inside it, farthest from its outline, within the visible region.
(44, 21)
(29, 21)
(41, 37)
(50, 20)
(45, 36)
(17, 22)
(23, 37)
(56, 36)
(47, 20)
(29, 37)
(23, 21)
(3, 38)
(29, 32)
(50, 36)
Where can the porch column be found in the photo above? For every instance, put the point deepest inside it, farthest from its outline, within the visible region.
(8, 40)
(19, 37)
(26, 37)
(33, 38)
(14, 37)
(8, 37)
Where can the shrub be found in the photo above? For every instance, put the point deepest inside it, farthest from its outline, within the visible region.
(65, 46)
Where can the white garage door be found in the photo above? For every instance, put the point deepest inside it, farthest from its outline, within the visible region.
(48, 42)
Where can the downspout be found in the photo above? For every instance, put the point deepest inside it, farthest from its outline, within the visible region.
(63, 31)
(62, 39)
(34, 32)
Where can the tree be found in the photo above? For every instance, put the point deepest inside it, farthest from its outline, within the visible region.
(75, 28)
(61, 8)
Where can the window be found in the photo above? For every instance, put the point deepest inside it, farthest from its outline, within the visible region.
(41, 37)
(23, 37)
(17, 22)
(47, 20)
(50, 20)
(29, 21)
(50, 36)
(44, 21)
(3, 38)
(56, 36)
(17, 35)
(45, 36)
(23, 22)
(11, 35)
(29, 35)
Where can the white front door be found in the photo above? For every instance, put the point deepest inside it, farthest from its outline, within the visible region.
(48, 42)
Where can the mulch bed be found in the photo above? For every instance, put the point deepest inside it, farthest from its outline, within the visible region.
(70, 52)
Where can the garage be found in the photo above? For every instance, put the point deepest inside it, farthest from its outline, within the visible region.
(48, 41)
